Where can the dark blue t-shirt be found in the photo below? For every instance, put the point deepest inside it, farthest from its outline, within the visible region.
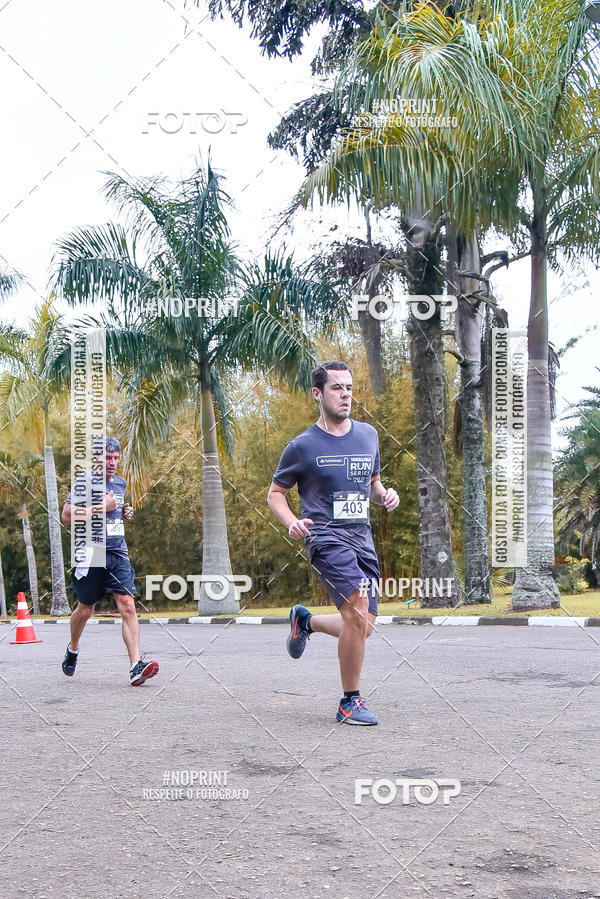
(115, 529)
(334, 482)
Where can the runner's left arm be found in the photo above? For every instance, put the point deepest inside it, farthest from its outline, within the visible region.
(384, 497)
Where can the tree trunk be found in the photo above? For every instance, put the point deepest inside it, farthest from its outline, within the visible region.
(370, 329)
(60, 603)
(2, 592)
(535, 587)
(468, 339)
(429, 392)
(215, 547)
(31, 566)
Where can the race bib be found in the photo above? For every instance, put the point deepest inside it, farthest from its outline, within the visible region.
(351, 507)
(115, 527)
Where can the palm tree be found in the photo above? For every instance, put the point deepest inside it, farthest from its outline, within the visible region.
(532, 71)
(26, 394)
(20, 482)
(578, 483)
(562, 171)
(463, 258)
(473, 321)
(381, 165)
(167, 362)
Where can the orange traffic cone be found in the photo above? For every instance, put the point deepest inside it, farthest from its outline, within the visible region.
(25, 632)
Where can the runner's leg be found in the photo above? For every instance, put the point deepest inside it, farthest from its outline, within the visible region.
(332, 624)
(356, 622)
(327, 624)
(79, 618)
(131, 629)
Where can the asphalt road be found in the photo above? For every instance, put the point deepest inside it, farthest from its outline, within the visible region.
(512, 713)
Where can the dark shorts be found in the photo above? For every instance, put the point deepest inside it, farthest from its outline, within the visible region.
(117, 577)
(343, 570)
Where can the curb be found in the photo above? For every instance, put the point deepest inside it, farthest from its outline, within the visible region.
(435, 621)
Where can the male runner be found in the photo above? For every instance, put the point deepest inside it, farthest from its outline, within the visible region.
(335, 463)
(90, 584)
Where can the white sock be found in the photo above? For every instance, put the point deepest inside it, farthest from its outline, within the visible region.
(74, 651)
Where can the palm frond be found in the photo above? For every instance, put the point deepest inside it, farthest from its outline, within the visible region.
(20, 398)
(126, 349)
(98, 263)
(21, 479)
(10, 280)
(280, 302)
(145, 421)
(462, 62)
(12, 343)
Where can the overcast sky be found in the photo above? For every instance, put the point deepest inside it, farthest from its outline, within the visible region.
(130, 88)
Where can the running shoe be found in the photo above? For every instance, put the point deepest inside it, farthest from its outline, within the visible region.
(141, 672)
(69, 663)
(355, 711)
(296, 642)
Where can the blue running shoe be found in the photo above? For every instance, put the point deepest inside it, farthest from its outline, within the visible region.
(69, 663)
(142, 671)
(296, 642)
(355, 711)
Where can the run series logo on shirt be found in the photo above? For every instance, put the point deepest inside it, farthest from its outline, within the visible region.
(358, 468)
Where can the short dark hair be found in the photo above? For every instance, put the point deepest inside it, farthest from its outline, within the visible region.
(319, 374)
(110, 444)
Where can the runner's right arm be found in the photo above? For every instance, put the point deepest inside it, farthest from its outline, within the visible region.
(278, 504)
